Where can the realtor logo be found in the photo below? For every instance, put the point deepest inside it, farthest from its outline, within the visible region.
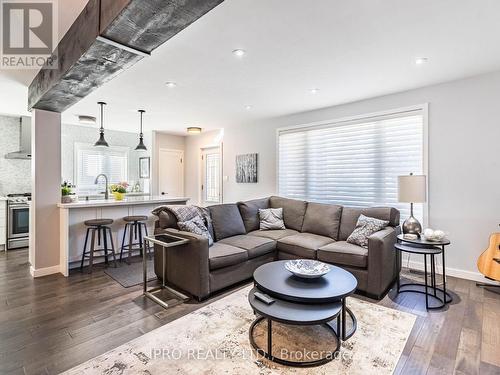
(28, 34)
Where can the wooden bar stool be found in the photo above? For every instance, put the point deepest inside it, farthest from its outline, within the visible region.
(99, 226)
(135, 225)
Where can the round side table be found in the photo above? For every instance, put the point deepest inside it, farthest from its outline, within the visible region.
(429, 249)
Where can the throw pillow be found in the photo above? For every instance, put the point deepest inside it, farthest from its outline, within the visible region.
(271, 219)
(196, 226)
(365, 227)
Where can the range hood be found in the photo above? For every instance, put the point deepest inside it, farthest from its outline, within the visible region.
(25, 141)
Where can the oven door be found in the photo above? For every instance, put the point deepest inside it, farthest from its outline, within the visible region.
(19, 221)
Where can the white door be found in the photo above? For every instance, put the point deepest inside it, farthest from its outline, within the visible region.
(171, 172)
(210, 176)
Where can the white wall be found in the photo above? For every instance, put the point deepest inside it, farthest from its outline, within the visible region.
(464, 158)
(46, 190)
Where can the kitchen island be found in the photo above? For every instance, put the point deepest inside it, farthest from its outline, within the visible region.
(73, 215)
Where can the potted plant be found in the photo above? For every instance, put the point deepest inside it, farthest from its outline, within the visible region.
(119, 190)
(67, 194)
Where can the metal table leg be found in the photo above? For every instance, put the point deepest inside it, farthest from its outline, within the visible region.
(149, 293)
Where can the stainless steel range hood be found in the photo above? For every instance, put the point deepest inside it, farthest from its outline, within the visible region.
(25, 141)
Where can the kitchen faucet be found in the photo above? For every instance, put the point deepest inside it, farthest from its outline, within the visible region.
(106, 192)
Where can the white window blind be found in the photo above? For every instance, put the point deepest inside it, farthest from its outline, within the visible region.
(353, 163)
(91, 161)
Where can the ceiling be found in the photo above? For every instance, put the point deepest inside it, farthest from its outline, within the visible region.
(14, 83)
(350, 50)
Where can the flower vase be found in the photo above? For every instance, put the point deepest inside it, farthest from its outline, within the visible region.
(118, 196)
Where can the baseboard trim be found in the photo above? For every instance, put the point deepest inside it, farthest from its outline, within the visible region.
(44, 271)
(455, 272)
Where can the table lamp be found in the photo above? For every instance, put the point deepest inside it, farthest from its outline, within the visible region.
(412, 189)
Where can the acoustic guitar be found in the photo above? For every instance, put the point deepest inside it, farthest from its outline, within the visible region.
(489, 261)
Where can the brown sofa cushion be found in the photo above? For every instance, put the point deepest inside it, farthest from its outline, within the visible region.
(167, 220)
(256, 246)
(221, 255)
(344, 253)
(293, 211)
(226, 221)
(303, 244)
(350, 217)
(322, 219)
(273, 234)
(249, 211)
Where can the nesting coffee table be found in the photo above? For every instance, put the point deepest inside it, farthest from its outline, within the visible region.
(302, 302)
(431, 249)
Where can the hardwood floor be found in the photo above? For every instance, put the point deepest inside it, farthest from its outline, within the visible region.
(53, 323)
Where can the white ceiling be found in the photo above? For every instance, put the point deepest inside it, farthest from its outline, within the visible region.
(14, 83)
(350, 50)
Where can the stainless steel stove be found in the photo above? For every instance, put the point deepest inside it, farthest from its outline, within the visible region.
(18, 220)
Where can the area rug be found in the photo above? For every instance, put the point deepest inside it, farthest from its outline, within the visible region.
(131, 274)
(214, 340)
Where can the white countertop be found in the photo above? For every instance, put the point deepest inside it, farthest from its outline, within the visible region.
(3, 198)
(127, 201)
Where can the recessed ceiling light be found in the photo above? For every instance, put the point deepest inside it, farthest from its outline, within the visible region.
(194, 130)
(239, 52)
(248, 107)
(421, 60)
(314, 91)
(171, 84)
(87, 120)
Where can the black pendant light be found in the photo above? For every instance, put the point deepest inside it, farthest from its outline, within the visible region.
(101, 142)
(141, 146)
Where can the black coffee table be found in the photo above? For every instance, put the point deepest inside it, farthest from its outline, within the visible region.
(303, 302)
(431, 249)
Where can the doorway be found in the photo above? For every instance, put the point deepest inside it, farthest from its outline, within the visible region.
(211, 175)
(171, 172)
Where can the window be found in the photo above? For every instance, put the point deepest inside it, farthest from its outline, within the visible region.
(211, 175)
(91, 161)
(353, 163)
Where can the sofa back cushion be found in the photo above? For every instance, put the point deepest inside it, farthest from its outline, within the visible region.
(293, 211)
(350, 216)
(249, 211)
(226, 221)
(167, 219)
(322, 219)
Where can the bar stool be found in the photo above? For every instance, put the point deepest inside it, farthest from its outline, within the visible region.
(101, 227)
(135, 226)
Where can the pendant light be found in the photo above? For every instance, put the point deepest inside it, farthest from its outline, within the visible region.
(101, 142)
(141, 146)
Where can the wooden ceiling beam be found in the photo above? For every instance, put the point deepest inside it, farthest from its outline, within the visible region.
(108, 37)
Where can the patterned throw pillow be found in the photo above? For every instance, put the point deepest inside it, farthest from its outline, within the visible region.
(196, 226)
(271, 218)
(365, 227)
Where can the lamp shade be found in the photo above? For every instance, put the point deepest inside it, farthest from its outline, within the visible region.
(412, 189)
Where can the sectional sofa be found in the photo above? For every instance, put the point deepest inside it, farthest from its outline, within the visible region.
(313, 231)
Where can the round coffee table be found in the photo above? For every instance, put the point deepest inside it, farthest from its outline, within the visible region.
(293, 313)
(431, 249)
(303, 302)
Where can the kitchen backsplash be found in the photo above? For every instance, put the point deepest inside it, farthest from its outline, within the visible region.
(15, 174)
(88, 135)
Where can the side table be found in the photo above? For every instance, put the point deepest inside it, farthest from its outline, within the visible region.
(427, 249)
(166, 241)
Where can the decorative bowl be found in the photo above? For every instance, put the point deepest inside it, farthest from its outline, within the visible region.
(433, 235)
(307, 268)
